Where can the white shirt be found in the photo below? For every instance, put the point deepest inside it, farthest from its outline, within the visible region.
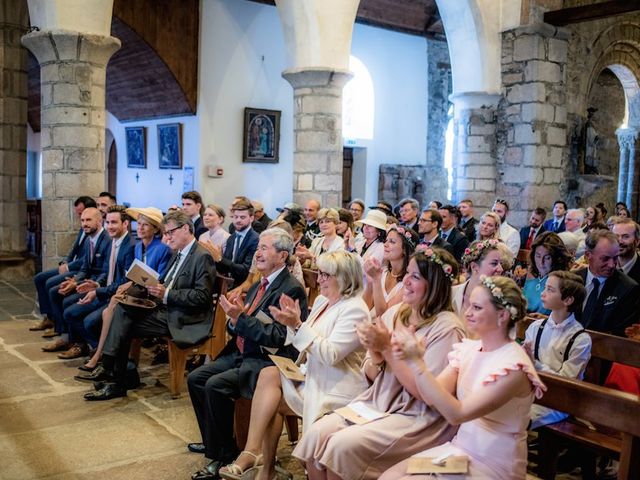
(115, 245)
(175, 269)
(589, 285)
(511, 237)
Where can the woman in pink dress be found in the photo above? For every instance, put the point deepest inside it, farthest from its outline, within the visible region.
(487, 389)
(333, 447)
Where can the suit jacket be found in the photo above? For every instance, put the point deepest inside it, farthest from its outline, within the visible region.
(239, 270)
(123, 262)
(634, 273)
(261, 225)
(92, 268)
(76, 255)
(440, 243)
(469, 229)
(524, 234)
(258, 334)
(198, 227)
(189, 304)
(548, 225)
(157, 255)
(459, 242)
(617, 305)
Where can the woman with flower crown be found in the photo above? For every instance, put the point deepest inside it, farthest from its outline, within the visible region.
(335, 448)
(487, 389)
(482, 257)
(383, 286)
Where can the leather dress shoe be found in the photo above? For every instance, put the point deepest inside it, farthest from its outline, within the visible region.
(76, 350)
(196, 447)
(50, 333)
(57, 345)
(43, 324)
(99, 374)
(107, 392)
(209, 472)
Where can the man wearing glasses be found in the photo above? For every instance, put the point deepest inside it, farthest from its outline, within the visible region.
(183, 310)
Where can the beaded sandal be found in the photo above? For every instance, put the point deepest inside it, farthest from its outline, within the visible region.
(234, 472)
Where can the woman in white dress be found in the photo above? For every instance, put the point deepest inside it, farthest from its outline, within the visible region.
(328, 241)
(213, 219)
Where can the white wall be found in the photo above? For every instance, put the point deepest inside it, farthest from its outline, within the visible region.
(398, 66)
(152, 187)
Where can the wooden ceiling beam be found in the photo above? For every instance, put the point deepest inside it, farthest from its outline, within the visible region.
(586, 13)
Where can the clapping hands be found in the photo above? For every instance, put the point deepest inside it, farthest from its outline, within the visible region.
(289, 312)
(375, 337)
(373, 268)
(405, 345)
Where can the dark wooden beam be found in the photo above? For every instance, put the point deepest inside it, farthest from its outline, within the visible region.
(586, 13)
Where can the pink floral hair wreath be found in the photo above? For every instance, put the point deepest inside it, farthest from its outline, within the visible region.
(474, 251)
(435, 258)
(496, 292)
(408, 234)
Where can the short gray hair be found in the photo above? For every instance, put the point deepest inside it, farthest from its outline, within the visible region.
(412, 201)
(577, 211)
(347, 269)
(179, 218)
(594, 236)
(282, 241)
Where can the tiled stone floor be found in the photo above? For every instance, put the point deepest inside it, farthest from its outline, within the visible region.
(48, 431)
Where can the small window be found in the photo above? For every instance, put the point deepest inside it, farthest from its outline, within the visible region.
(358, 103)
(34, 175)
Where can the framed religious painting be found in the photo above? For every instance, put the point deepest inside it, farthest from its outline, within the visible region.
(261, 135)
(170, 145)
(136, 142)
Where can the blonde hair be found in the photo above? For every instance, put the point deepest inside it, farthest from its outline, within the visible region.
(505, 294)
(330, 214)
(347, 269)
(496, 218)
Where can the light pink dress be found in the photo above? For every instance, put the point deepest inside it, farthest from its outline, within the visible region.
(496, 443)
(365, 451)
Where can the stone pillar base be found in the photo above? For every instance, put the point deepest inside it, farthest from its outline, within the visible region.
(317, 155)
(14, 267)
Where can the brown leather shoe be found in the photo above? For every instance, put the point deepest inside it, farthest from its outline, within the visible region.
(43, 324)
(57, 345)
(76, 350)
(50, 333)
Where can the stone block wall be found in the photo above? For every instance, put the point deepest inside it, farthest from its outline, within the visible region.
(532, 119)
(399, 181)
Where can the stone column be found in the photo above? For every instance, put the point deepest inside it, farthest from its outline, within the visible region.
(625, 136)
(73, 73)
(317, 166)
(533, 118)
(14, 21)
(317, 35)
(474, 148)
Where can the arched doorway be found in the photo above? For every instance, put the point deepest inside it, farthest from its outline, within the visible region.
(111, 170)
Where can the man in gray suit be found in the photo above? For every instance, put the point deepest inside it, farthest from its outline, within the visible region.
(184, 309)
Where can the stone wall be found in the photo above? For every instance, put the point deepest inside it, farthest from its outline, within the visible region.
(400, 181)
(438, 90)
(13, 140)
(532, 119)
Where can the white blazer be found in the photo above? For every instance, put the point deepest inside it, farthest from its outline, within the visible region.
(316, 245)
(330, 347)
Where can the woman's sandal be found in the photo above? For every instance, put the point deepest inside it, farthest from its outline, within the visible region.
(234, 472)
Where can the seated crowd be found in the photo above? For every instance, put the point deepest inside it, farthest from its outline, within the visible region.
(408, 350)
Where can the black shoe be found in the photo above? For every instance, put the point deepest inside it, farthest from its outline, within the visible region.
(109, 391)
(99, 374)
(209, 472)
(196, 447)
(84, 368)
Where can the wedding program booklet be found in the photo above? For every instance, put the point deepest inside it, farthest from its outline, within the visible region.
(359, 413)
(142, 274)
(288, 368)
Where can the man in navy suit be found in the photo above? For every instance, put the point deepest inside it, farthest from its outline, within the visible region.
(48, 279)
(612, 296)
(241, 246)
(214, 387)
(450, 233)
(97, 249)
(556, 224)
(535, 228)
(83, 317)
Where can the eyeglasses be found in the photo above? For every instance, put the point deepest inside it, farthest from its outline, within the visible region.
(323, 275)
(169, 232)
(424, 220)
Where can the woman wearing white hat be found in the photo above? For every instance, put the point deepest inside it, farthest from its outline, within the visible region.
(149, 250)
(370, 242)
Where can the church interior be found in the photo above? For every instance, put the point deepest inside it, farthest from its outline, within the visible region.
(519, 103)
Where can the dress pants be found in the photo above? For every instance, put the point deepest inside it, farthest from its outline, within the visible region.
(44, 282)
(74, 317)
(213, 389)
(128, 323)
(58, 303)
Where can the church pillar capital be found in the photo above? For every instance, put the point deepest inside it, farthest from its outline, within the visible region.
(473, 101)
(627, 137)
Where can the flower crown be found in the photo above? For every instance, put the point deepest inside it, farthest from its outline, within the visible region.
(473, 252)
(404, 232)
(496, 292)
(433, 257)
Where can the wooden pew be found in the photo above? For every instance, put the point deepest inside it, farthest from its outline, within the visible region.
(212, 346)
(609, 409)
(618, 410)
(311, 281)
